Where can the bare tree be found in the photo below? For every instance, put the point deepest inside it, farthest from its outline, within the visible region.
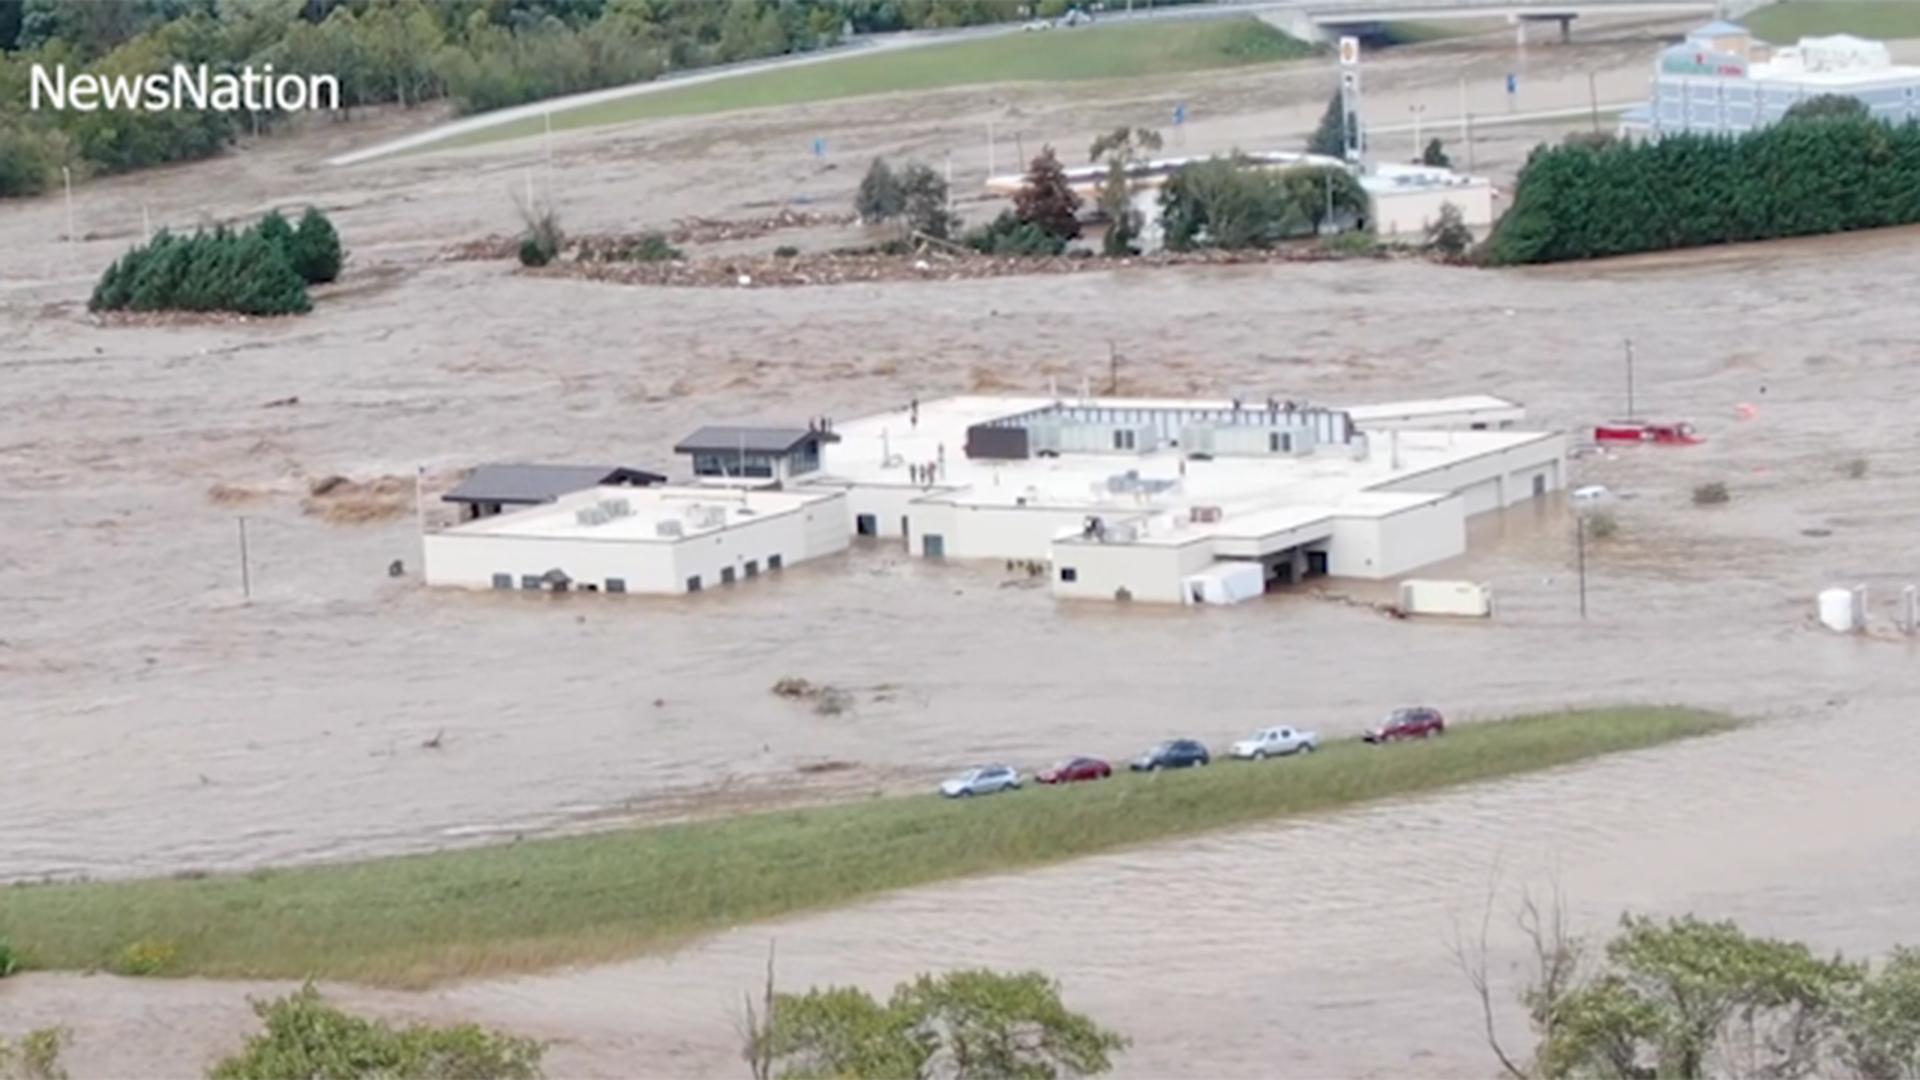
(756, 1027)
(1557, 962)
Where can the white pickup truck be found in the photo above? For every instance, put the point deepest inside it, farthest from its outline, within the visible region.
(1275, 742)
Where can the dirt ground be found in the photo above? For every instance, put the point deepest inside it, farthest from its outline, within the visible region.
(158, 721)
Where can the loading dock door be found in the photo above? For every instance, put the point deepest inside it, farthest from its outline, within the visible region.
(933, 545)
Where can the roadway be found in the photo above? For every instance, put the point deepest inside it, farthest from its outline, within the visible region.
(865, 46)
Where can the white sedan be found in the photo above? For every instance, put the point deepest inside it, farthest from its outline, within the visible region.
(985, 780)
(1275, 742)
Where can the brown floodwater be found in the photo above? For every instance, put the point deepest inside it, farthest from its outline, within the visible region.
(157, 721)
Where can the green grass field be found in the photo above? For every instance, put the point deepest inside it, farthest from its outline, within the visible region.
(1786, 23)
(1095, 52)
(414, 921)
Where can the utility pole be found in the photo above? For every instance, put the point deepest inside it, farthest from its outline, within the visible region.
(1631, 415)
(66, 177)
(1580, 545)
(1113, 370)
(1470, 143)
(1593, 101)
(1418, 111)
(246, 573)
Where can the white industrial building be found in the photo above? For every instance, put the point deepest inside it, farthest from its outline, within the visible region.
(640, 540)
(1173, 501)
(1723, 81)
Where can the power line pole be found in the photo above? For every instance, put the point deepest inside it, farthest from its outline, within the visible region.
(246, 573)
(1630, 413)
(1580, 546)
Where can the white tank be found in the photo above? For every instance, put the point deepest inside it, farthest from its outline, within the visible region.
(1840, 610)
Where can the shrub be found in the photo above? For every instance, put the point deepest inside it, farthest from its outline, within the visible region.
(1828, 107)
(786, 251)
(1712, 494)
(1228, 203)
(306, 1037)
(144, 958)
(29, 160)
(1793, 179)
(1008, 235)
(247, 273)
(879, 197)
(9, 960)
(315, 249)
(1435, 155)
(540, 244)
(1046, 200)
(1448, 236)
(651, 247)
(34, 1056)
(1602, 524)
(924, 199)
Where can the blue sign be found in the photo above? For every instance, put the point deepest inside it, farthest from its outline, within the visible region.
(819, 148)
(1179, 115)
(1513, 83)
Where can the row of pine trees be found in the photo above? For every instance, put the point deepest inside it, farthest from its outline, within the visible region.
(262, 270)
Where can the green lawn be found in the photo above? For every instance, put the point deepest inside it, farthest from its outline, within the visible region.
(413, 921)
(1786, 23)
(1096, 52)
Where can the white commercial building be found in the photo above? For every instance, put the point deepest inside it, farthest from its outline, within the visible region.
(640, 540)
(1159, 500)
(1722, 81)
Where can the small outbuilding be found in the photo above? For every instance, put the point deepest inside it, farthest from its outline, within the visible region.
(499, 487)
(772, 454)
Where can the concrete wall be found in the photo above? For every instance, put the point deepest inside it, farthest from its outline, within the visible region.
(470, 560)
(1151, 572)
(1407, 213)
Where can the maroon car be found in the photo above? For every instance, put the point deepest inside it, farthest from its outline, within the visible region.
(1416, 722)
(1076, 769)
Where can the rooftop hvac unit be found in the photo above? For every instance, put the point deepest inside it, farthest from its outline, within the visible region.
(667, 529)
(591, 515)
(1204, 515)
(616, 508)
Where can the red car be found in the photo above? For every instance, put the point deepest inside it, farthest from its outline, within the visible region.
(1074, 770)
(1678, 433)
(1417, 722)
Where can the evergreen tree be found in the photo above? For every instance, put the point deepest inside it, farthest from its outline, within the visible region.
(1330, 138)
(1046, 200)
(879, 197)
(315, 253)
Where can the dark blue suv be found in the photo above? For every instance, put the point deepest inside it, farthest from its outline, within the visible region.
(1177, 754)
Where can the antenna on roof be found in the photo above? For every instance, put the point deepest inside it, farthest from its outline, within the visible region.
(1053, 388)
(1086, 390)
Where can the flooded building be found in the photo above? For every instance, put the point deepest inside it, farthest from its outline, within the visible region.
(660, 540)
(495, 489)
(1723, 81)
(1154, 499)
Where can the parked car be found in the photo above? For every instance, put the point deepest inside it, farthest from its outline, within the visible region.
(1075, 769)
(1415, 722)
(985, 780)
(1274, 742)
(1176, 754)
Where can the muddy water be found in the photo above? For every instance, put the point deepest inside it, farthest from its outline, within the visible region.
(155, 721)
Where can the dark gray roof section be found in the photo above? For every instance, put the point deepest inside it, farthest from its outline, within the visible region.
(527, 485)
(753, 440)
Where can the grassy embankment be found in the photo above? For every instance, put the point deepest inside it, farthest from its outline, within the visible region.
(1121, 50)
(1787, 23)
(412, 921)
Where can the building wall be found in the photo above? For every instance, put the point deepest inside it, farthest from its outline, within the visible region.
(1422, 536)
(1409, 212)
(1152, 573)
(470, 560)
(1355, 549)
(977, 532)
(1514, 468)
(1713, 105)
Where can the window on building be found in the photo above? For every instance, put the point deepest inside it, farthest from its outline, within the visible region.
(615, 584)
(1280, 442)
(1068, 573)
(503, 581)
(726, 575)
(1123, 440)
(530, 581)
(753, 568)
(773, 562)
(693, 583)
(734, 464)
(805, 459)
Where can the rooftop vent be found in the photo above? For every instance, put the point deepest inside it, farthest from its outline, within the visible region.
(591, 515)
(616, 508)
(667, 529)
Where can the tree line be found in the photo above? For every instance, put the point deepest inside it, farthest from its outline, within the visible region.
(1827, 167)
(478, 54)
(262, 270)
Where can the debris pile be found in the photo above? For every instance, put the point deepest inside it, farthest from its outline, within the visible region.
(684, 231)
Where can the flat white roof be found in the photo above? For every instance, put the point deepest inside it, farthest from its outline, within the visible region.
(1256, 496)
(694, 511)
(1434, 408)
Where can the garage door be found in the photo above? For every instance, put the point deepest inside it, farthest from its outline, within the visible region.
(1482, 497)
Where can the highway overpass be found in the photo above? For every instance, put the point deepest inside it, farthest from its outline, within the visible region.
(1329, 19)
